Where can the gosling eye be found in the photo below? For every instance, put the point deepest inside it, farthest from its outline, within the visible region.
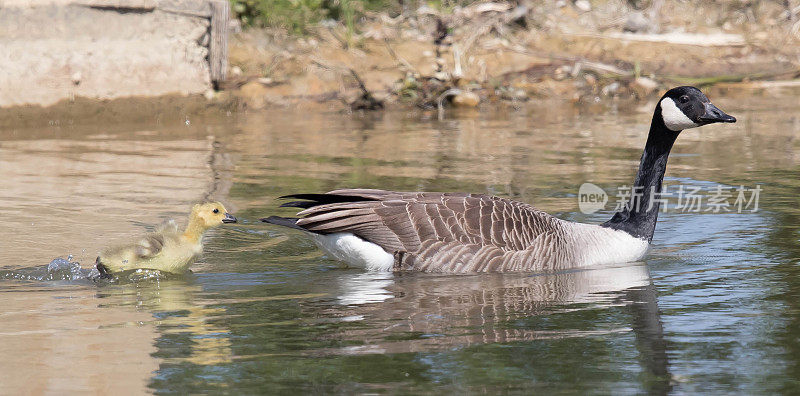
(684, 99)
(216, 210)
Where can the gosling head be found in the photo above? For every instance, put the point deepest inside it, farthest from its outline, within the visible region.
(686, 107)
(211, 214)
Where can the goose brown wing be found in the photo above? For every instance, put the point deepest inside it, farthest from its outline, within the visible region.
(404, 222)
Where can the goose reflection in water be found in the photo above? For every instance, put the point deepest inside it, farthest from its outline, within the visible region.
(426, 312)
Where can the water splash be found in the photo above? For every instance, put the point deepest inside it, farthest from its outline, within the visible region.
(60, 269)
(143, 275)
(65, 269)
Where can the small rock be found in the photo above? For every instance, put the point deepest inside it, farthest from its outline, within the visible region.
(442, 76)
(562, 72)
(727, 26)
(583, 5)
(209, 94)
(761, 36)
(576, 69)
(76, 78)
(265, 80)
(234, 26)
(590, 80)
(236, 71)
(514, 94)
(610, 89)
(644, 86)
(636, 23)
(466, 99)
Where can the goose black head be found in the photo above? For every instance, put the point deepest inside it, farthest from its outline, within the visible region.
(687, 107)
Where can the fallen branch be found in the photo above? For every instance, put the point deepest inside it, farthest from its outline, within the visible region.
(442, 97)
(366, 101)
(399, 59)
(602, 68)
(706, 81)
(342, 41)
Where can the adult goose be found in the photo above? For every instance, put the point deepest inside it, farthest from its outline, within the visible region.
(458, 232)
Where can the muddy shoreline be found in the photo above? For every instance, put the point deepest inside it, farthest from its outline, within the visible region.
(197, 109)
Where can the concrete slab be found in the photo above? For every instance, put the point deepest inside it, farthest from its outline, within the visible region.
(103, 49)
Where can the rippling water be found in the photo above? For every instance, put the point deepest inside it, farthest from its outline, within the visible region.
(714, 308)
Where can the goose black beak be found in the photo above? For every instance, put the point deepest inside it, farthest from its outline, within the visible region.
(714, 114)
(228, 218)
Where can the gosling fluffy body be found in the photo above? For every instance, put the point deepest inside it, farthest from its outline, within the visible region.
(166, 249)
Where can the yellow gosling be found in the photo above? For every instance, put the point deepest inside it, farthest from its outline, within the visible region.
(166, 249)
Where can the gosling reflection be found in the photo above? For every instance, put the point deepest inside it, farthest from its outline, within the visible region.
(185, 321)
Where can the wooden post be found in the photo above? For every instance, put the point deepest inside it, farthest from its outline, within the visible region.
(218, 45)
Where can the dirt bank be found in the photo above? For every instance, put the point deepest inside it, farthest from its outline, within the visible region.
(580, 51)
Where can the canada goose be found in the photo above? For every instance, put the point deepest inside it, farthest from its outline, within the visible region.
(458, 232)
(166, 249)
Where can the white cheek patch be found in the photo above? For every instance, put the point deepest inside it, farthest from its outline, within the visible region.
(674, 118)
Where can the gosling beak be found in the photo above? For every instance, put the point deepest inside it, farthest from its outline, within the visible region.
(714, 114)
(228, 218)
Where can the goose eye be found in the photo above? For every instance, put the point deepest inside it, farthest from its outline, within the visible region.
(684, 98)
(216, 210)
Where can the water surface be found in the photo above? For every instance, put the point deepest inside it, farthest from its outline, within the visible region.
(714, 308)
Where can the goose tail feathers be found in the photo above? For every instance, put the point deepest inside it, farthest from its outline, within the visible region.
(290, 222)
(332, 197)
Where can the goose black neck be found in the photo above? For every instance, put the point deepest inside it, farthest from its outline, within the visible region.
(639, 217)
